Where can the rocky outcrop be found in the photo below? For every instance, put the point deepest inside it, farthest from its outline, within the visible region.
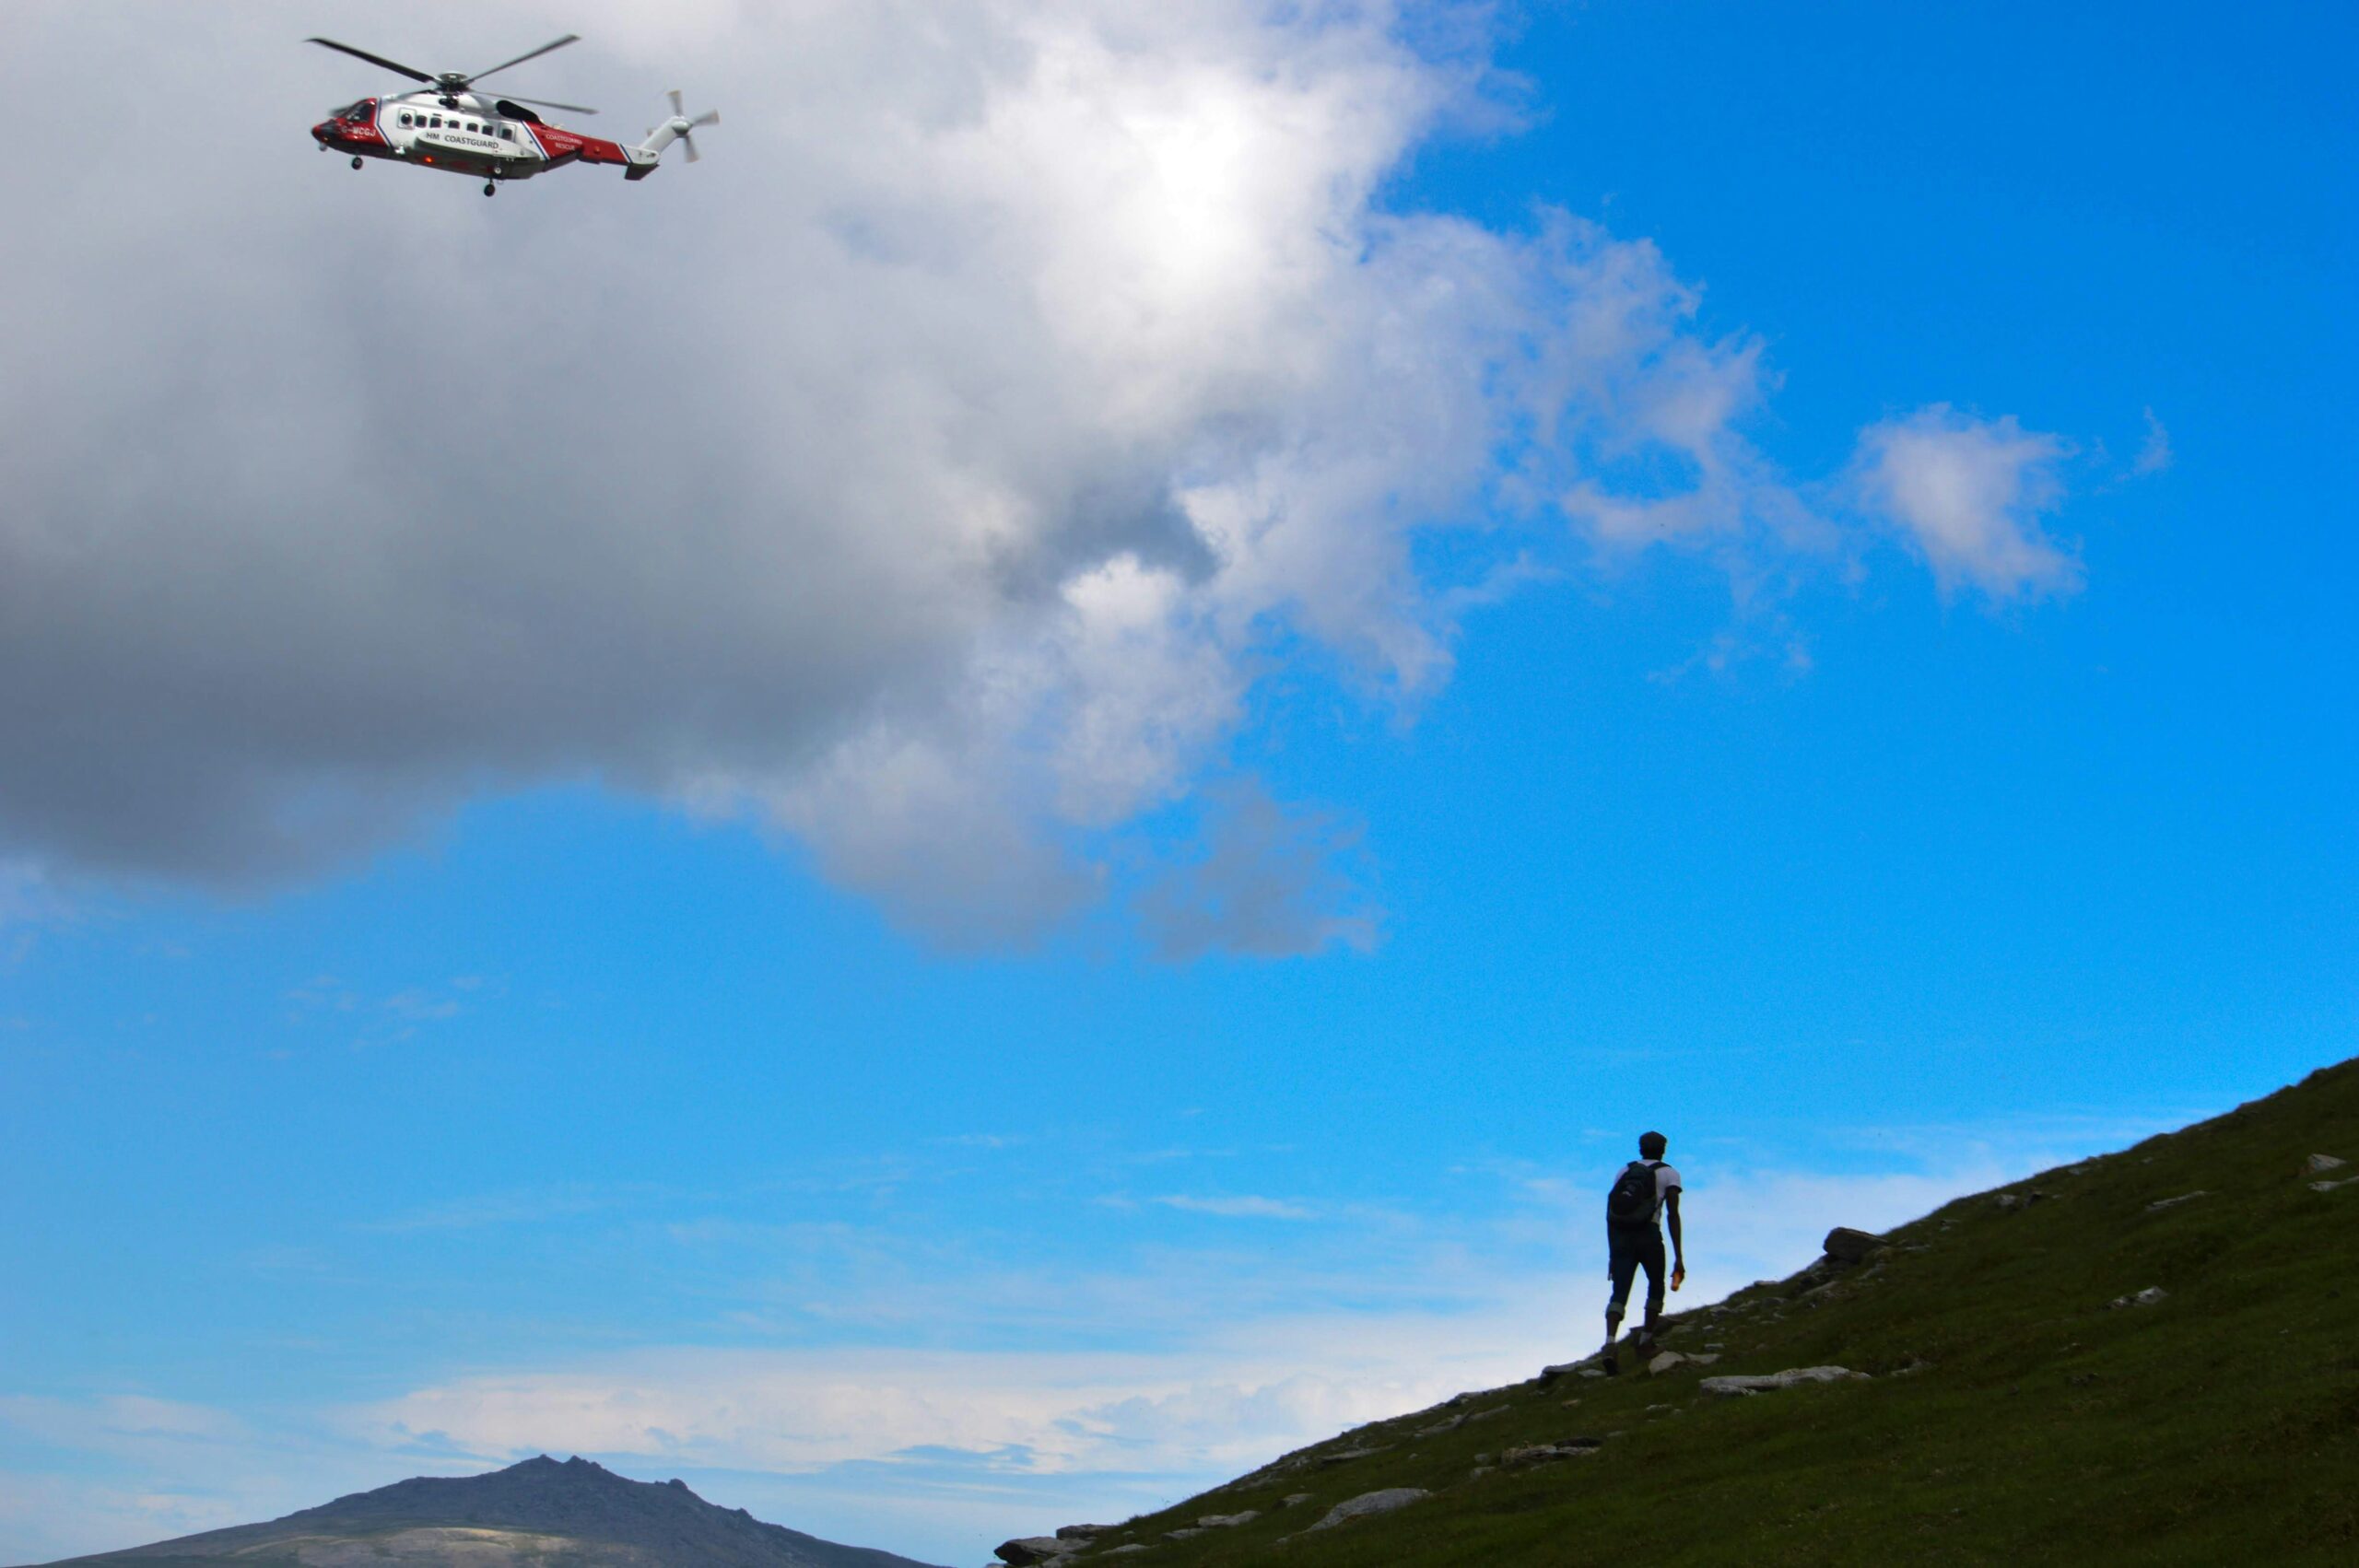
(1847, 1245)
(1545, 1453)
(1770, 1382)
(2153, 1295)
(1369, 1503)
(1062, 1548)
(1345, 1455)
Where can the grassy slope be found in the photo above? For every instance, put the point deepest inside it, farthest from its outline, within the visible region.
(2222, 1426)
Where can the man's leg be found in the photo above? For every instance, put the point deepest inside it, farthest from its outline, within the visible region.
(1651, 1256)
(1621, 1269)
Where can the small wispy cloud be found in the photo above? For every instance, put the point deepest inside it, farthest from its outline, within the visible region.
(507, 1209)
(420, 1005)
(1969, 493)
(395, 1016)
(90, 1423)
(1239, 1208)
(2156, 454)
(321, 993)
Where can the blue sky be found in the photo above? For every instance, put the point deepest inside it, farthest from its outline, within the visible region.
(655, 1096)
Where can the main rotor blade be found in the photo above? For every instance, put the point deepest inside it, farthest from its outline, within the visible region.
(545, 103)
(393, 66)
(560, 44)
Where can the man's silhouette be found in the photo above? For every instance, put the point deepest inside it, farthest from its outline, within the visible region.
(1642, 1192)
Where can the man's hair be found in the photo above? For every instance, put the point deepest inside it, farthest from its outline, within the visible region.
(1651, 1145)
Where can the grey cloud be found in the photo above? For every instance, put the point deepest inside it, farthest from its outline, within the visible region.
(931, 469)
(1269, 879)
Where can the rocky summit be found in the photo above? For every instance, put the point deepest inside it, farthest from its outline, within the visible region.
(542, 1513)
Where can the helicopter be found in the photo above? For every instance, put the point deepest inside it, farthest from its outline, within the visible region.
(449, 124)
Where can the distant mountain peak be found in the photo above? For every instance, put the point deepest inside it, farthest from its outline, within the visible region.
(600, 1520)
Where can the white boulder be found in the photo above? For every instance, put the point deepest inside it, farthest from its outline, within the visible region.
(1769, 1382)
(1369, 1503)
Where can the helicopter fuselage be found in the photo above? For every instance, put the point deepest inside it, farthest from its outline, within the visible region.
(468, 134)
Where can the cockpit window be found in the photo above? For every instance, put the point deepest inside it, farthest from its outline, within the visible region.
(357, 113)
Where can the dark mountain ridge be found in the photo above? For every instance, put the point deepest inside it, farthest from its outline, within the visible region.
(574, 1515)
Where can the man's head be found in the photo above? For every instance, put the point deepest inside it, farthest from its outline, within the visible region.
(1651, 1145)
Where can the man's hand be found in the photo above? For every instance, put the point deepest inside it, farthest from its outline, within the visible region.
(1678, 1275)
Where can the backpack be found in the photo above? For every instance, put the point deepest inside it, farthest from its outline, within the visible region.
(1631, 1200)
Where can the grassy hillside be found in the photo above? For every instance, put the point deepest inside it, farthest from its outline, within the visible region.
(2010, 1413)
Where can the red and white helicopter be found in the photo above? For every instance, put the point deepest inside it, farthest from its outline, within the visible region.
(448, 125)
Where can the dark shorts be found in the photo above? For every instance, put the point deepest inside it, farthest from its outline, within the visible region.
(1629, 1249)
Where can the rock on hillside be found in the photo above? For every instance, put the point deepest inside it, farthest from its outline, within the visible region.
(575, 1514)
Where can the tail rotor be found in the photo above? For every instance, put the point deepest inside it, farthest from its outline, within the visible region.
(683, 128)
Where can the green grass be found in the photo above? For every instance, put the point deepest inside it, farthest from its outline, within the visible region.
(2038, 1425)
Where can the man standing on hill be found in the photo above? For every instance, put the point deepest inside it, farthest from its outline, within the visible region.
(1642, 1192)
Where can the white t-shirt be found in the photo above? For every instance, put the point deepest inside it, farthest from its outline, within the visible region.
(1666, 1183)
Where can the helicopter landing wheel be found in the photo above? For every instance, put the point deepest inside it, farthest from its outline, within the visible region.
(356, 160)
(489, 189)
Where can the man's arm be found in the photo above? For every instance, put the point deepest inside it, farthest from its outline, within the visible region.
(1678, 1252)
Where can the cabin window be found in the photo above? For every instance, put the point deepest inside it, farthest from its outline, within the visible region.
(474, 128)
(438, 121)
(407, 118)
(507, 132)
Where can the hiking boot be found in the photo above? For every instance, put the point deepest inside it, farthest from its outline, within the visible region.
(1613, 1368)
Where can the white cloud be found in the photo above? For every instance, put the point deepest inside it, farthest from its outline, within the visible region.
(1969, 493)
(1098, 1424)
(933, 472)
